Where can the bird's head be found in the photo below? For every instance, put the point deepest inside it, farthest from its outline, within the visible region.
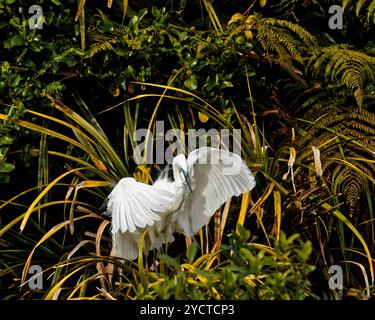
(181, 171)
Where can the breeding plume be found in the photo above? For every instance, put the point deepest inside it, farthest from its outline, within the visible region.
(200, 185)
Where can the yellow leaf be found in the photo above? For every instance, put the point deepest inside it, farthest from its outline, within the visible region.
(236, 17)
(82, 185)
(224, 217)
(42, 194)
(193, 282)
(262, 247)
(262, 3)
(45, 237)
(20, 217)
(251, 20)
(216, 294)
(263, 198)
(244, 207)
(277, 206)
(201, 46)
(100, 265)
(124, 9)
(114, 90)
(143, 174)
(252, 279)
(99, 164)
(93, 184)
(292, 159)
(203, 117)
(55, 290)
(249, 35)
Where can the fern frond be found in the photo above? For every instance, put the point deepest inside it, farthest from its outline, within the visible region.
(306, 37)
(101, 46)
(282, 5)
(371, 12)
(348, 160)
(284, 42)
(348, 67)
(359, 7)
(281, 41)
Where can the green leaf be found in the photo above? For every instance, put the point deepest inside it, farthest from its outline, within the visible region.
(3, 152)
(35, 47)
(4, 178)
(5, 67)
(246, 253)
(169, 261)
(227, 84)
(29, 63)
(15, 22)
(191, 83)
(6, 140)
(17, 40)
(305, 251)
(107, 23)
(7, 44)
(6, 167)
(345, 220)
(133, 23)
(344, 4)
(16, 80)
(69, 60)
(192, 252)
(54, 67)
(240, 40)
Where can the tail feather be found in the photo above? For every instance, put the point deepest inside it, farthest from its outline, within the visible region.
(125, 245)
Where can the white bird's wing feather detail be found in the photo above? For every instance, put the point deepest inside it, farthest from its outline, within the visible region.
(216, 175)
(135, 205)
(125, 245)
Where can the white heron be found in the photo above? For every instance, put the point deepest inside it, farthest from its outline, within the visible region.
(201, 184)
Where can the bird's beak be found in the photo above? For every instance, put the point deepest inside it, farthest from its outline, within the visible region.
(187, 179)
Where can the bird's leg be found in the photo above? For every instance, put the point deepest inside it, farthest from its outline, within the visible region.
(207, 239)
(188, 241)
(155, 264)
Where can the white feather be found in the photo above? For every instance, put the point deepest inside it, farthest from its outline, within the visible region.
(170, 206)
(214, 182)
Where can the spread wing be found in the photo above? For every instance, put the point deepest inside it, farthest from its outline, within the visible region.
(216, 175)
(135, 205)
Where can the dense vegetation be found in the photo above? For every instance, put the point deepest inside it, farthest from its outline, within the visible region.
(73, 93)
